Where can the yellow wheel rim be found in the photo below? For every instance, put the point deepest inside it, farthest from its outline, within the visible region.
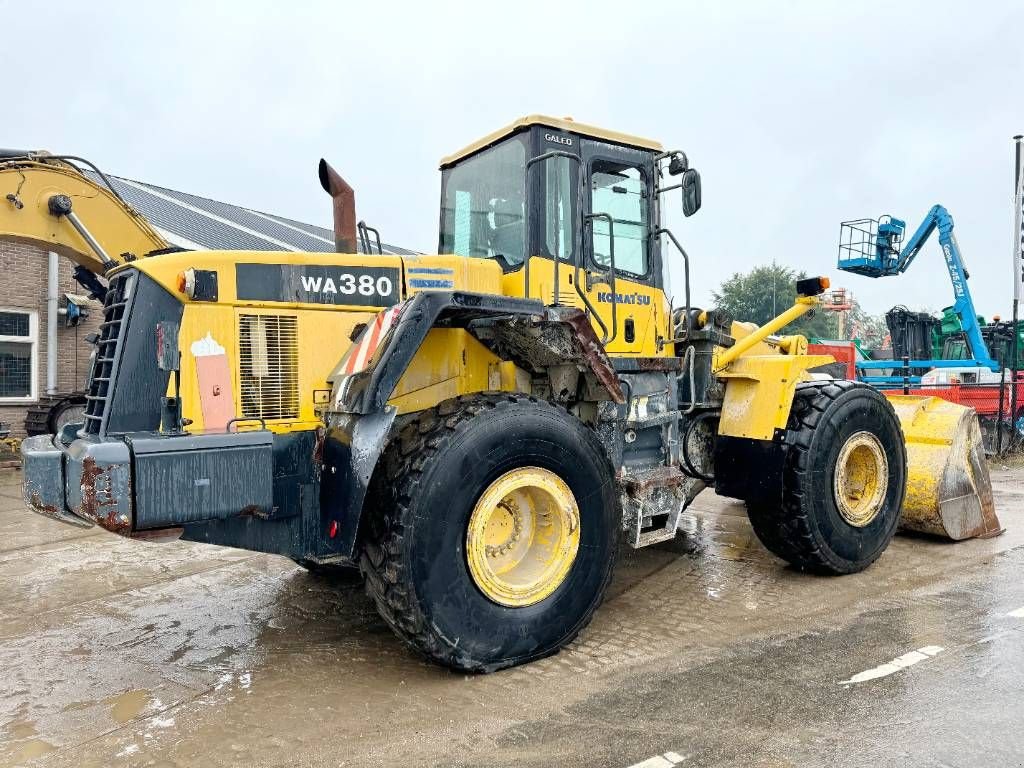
(861, 479)
(523, 536)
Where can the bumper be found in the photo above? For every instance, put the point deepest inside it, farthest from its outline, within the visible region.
(85, 483)
(43, 484)
(147, 482)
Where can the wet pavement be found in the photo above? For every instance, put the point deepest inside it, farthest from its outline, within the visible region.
(708, 652)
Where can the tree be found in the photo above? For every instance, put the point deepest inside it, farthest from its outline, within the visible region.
(870, 329)
(764, 292)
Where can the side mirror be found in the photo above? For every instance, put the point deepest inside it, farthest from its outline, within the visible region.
(691, 191)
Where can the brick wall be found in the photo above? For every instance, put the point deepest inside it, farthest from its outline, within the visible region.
(23, 275)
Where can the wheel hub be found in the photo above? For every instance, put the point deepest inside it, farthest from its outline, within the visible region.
(861, 479)
(523, 536)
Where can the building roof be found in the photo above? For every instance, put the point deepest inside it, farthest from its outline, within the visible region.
(199, 223)
(566, 124)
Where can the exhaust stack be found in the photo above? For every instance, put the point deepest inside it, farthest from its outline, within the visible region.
(344, 198)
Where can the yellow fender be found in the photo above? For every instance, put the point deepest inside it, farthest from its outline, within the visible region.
(949, 492)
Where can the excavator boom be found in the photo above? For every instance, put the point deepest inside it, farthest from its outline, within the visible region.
(49, 202)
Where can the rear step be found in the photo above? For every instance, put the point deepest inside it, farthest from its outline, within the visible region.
(653, 501)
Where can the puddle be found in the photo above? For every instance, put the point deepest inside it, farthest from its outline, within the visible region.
(22, 730)
(35, 748)
(128, 705)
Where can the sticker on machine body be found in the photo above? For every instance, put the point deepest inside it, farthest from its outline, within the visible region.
(318, 284)
(358, 356)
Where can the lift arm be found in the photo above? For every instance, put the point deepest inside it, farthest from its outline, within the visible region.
(48, 202)
(894, 261)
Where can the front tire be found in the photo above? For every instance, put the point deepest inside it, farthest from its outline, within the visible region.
(494, 531)
(843, 480)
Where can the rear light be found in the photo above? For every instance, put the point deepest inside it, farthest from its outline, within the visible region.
(198, 284)
(812, 286)
(187, 282)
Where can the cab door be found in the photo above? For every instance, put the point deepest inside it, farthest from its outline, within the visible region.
(619, 209)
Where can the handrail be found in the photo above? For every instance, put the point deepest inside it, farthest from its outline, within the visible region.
(609, 277)
(686, 278)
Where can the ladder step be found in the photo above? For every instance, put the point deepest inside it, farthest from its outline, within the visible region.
(652, 494)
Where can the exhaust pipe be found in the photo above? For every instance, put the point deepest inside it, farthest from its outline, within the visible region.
(344, 208)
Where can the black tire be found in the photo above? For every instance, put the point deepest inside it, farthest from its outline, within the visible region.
(68, 411)
(414, 551)
(807, 529)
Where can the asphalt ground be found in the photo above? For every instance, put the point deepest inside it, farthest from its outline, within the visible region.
(707, 652)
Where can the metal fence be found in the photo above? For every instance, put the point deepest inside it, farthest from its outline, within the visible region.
(999, 407)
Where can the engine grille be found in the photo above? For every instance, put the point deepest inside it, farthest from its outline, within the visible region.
(269, 366)
(115, 310)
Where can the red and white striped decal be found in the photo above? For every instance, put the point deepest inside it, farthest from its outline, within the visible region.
(362, 350)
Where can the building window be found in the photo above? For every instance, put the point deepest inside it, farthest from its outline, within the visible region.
(19, 332)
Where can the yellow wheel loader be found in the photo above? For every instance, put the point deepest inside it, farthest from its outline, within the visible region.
(475, 430)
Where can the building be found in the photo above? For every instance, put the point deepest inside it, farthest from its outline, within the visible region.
(39, 292)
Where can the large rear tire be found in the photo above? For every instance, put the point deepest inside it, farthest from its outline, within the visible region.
(493, 533)
(843, 480)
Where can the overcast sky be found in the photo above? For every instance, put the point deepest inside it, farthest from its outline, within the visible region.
(798, 115)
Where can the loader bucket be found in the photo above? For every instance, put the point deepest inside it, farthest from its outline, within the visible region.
(949, 492)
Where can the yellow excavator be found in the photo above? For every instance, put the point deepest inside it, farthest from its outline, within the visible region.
(475, 430)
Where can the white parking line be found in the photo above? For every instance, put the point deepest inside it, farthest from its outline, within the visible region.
(1018, 614)
(900, 662)
(666, 760)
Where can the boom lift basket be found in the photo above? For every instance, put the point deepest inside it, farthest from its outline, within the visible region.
(870, 247)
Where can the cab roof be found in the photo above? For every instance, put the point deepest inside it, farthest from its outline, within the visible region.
(559, 123)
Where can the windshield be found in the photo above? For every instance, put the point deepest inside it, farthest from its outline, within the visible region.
(483, 204)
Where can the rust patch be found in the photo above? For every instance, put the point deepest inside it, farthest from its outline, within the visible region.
(98, 503)
(37, 504)
(659, 477)
(593, 351)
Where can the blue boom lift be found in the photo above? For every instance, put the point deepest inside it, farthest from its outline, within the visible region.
(871, 247)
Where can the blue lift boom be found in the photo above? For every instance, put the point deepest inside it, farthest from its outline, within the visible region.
(871, 247)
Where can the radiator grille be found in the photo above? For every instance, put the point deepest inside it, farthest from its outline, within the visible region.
(115, 308)
(269, 366)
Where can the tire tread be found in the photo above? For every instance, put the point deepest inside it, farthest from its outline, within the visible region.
(786, 529)
(416, 446)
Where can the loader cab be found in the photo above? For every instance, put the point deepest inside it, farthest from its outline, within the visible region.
(517, 192)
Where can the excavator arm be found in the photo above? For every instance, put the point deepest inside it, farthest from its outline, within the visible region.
(49, 202)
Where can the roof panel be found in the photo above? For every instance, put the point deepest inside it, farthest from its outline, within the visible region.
(221, 226)
(193, 226)
(263, 225)
(558, 123)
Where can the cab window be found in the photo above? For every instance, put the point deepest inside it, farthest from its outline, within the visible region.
(483, 205)
(619, 190)
(559, 218)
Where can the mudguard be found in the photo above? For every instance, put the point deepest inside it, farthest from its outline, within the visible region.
(359, 418)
